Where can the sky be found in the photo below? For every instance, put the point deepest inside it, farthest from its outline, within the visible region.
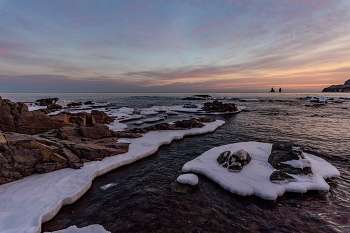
(173, 45)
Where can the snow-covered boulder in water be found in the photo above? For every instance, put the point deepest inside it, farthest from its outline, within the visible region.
(254, 178)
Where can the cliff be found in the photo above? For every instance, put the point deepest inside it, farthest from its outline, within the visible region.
(338, 88)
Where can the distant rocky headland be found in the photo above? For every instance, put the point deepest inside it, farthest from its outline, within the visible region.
(338, 88)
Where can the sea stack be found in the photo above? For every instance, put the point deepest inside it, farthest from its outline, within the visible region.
(338, 88)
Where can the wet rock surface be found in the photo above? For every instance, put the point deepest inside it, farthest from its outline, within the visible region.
(217, 106)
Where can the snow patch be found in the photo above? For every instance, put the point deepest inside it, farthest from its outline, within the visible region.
(255, 177)
(88, 229)
(188, 179)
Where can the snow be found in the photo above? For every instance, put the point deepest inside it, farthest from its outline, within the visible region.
(28, 202)
(255, 176)
(89, 229)
(117, 126)
(301, 163)
(249, 100)
(154, 119)
(188, 179)
(36, 107)
(138, 123)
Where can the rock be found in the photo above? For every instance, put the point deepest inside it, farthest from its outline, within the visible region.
(234, 162)
(223, 157)
(48, 167)
(74, 104)
(78, 120)
(15, 117)
(138, 130)
(101, 117)
(54, 107)
(65, 132)
(126, 134)
(161, 126)
(72, 159)
(279, 177)
(289, 158)
(64, 118)
(23, 155)
(2, 138)
(95, 131)
(92, 151)
(46, 102)
(217, 106)
(189, 124)
(197, 97)
(207, 119)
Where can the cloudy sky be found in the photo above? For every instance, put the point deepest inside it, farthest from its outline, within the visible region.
(173, 45)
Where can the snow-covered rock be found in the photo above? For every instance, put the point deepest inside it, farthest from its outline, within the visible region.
(255, 177)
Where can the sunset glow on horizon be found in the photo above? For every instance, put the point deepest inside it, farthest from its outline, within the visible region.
(173, 46)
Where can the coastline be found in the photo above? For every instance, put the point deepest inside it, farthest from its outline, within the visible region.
(40, 197)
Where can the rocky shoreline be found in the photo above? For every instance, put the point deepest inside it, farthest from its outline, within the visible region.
(34, 142)
(338, 88)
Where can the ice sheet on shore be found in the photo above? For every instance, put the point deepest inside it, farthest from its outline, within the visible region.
(28, 202)
(88, 229)
(255, 176)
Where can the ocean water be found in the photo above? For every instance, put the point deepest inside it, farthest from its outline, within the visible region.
(142, 198)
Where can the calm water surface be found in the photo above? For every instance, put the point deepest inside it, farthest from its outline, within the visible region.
(143, 198)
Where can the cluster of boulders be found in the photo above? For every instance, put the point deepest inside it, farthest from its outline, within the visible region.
(177, 125)
(15, 117)
(218, 106)
(287, 159)
(23, 155)
(234, 162)
(83, 118)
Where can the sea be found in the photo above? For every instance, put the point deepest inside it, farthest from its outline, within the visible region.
(141, 196)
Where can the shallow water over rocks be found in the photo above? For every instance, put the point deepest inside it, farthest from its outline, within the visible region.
(141, 197)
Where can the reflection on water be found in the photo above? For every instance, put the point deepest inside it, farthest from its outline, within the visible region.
(139, 197)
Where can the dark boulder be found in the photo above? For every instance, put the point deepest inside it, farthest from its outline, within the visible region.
(46, 102)
(279, 177)
(289, 158)
(161, 126)
(189, 124)
(207, 119)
